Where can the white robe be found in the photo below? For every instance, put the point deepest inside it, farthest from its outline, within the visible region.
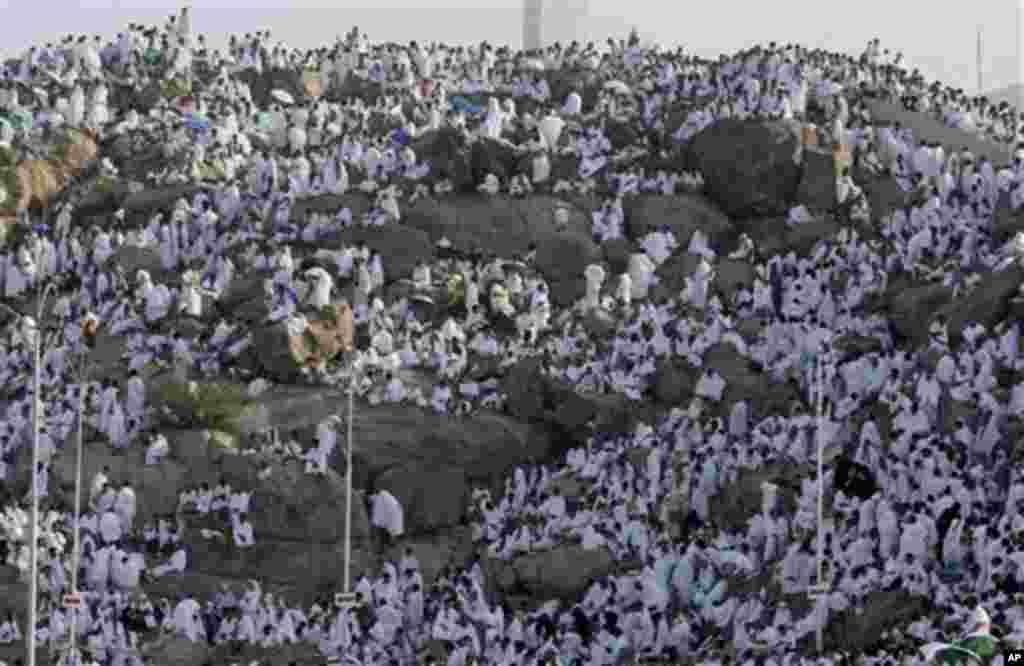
(387, 513)
(185, 617)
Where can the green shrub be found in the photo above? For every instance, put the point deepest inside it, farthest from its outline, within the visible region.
(327, 314)
(9, 181)
(213, 405)
(7, 157)
(104, 184)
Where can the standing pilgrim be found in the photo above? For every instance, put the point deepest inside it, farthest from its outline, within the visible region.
(386, 513)
(595, 277)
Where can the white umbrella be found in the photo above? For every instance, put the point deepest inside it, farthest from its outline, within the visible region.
(282, 96)
(618, 87)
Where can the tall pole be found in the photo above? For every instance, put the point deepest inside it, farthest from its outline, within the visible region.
(981, 88)
(348, 479)
(33, 592)
(820, 417)
(1020, 73)
(76, 560)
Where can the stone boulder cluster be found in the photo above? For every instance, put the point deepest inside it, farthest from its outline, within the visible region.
(436, 464)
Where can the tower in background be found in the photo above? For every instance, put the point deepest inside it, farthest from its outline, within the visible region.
(533, 18)
(548, 21)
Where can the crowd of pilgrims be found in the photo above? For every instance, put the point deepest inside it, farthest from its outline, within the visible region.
(945, 521)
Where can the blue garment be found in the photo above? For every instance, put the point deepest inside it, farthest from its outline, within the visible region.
(664, 568)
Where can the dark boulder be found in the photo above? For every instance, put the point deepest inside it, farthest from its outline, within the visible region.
(817, 188)
(747, 166)
(261, 84)
(682, 214)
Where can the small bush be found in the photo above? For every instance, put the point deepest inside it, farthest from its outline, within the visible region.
(104, 184)
(327, 314)
(213, 405)
(9, 181)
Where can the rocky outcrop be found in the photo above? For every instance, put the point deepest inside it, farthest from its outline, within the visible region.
(682, 214)
(562, 572)
(130, 259)
(731, 275)
(883, 193)
(279, 354)
(34, 182)
(675, 381)
(1006, 222)
(573, 416)
(139, 205)
(817, 188)
(142, 99)
(883, 611)
(747, 166)
(261, 84)
(986, 304)
(509, 226)
(408, 450)
(911, 309)
(926, 127)
(137, 155)
(737, 502)
(773, 236)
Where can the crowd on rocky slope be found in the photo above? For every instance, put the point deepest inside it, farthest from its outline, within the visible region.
(683, 279)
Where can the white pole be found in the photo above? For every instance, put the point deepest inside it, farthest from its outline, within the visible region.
(1020, 74)
(76, 560)
(33, 592)
(981, 87)
(33, 534)
(820, 631)
(348, 480)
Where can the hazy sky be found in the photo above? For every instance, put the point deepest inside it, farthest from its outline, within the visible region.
(933, 36)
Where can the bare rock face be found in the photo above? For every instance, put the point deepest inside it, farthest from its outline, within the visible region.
(430, 462)
(508, 226)
(773, 236)
(883, 610)
(36, 181)
(283, 356)
(562, 572)
(177, 651)
(911, 309)
(986, 304)
(682, 214)
(738, 502)
(817, 188)
(747, 166)
(400, 246)
(261, 84)
(131, 259)
(1006, 222)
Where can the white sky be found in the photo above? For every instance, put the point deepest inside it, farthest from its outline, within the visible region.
(936, 37)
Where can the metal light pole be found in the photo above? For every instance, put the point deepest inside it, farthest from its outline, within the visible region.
(819, 636)
(79, 436)
(1020, 75)
(33, 592)
(348, 479)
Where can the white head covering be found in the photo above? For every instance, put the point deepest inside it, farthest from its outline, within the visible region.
(981, 619)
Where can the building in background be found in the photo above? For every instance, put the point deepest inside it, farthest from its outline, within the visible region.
(548, 21)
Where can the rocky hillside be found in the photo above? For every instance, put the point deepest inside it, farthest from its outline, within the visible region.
(432, 463)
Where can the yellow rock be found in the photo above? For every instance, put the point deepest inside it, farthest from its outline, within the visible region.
(324, 338)
(311, 82)
(39, 179)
